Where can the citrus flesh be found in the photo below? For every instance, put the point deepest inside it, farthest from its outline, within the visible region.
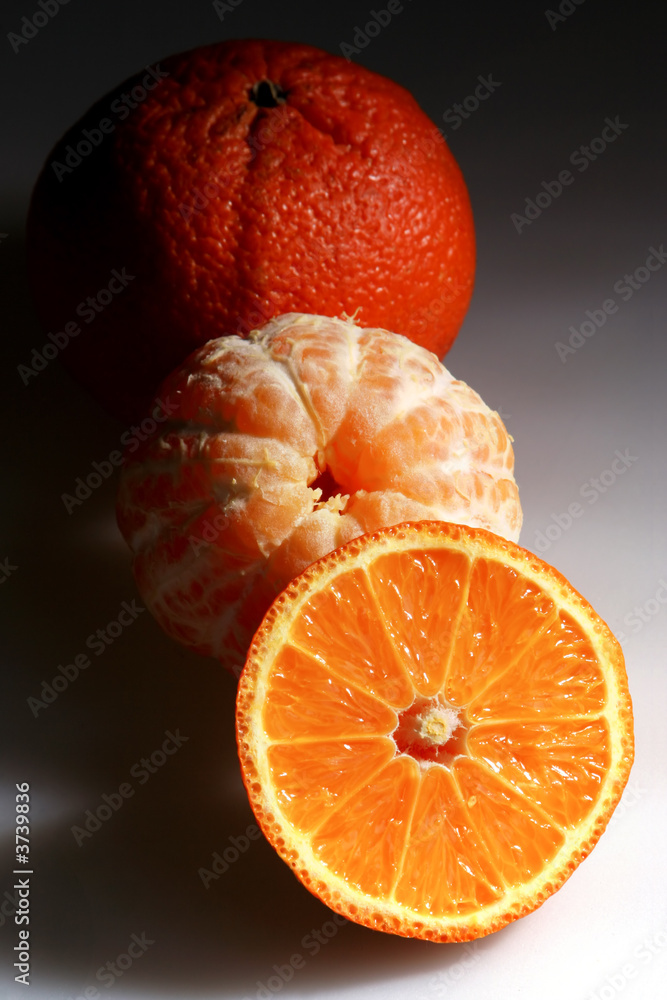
(434, 728)
(255, 178)
(282, 447)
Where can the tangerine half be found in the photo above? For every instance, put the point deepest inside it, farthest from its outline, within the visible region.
(434, 728)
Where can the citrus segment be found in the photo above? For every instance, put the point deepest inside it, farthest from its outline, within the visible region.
(295, 708)
(421, 596)
(325, 627)
(561, 766)
(559, 675)
(312, 780)
(503, 614)
(434, 818)
(520, 837)
(364, 840)
(443, 840)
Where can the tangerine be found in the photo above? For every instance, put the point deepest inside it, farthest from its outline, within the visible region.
(434, 729)
(285, 445)
(237, 182)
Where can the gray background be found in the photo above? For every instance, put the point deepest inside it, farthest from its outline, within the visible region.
(605, 932)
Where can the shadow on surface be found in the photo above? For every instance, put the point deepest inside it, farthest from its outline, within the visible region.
(136, 870)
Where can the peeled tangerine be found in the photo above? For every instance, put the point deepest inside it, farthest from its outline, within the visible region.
(285, 446)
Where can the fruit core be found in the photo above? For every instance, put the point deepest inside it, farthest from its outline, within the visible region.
(267, 94)
(431, 731)
(329, 486)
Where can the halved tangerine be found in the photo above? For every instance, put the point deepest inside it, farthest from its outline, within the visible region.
(434, 728)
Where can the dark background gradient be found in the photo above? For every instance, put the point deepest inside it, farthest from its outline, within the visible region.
(605, 932)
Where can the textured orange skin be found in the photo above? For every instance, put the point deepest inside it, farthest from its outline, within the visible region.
(342, 199)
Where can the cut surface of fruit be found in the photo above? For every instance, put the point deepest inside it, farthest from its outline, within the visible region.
(281, 448)
(434, 728)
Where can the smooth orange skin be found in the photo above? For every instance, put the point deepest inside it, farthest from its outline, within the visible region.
(344, 199)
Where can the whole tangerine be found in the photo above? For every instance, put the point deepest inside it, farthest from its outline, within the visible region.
(233, 183)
